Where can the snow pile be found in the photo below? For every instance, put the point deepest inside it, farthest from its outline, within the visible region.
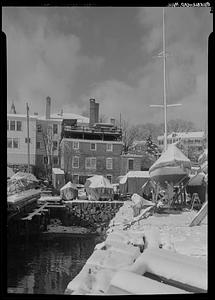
(134, 284)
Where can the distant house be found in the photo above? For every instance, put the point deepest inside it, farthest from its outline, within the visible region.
(130, 162)
(49, 134)
(193, 143)
(17, 143)
(195, 139)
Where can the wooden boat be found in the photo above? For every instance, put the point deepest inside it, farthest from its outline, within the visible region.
(172, 166)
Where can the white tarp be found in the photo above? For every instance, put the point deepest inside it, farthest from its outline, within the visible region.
(171, 157)
(99, 187)
(69, 191)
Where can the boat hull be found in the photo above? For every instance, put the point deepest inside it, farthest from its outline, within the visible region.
(171, 174)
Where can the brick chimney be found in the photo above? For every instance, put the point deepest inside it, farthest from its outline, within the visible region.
(94, 112)
(48, 107)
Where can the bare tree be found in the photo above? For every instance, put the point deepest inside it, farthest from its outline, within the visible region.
(47, 135)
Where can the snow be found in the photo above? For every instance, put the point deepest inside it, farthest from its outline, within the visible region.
(57, 171)
(135, 284)
(183, 256)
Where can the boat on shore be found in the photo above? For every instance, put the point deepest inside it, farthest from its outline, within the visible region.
(172, 167)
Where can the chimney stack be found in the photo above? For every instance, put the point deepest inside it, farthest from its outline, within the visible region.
(48, 107)
(94, 112)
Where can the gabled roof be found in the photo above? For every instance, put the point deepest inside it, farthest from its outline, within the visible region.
(183, 135)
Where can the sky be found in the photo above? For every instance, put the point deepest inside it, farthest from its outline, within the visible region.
(73, 54)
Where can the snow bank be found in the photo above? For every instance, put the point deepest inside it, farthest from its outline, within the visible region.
(174, 266)
(136, 284)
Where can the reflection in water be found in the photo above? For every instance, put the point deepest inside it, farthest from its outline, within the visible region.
(46, 266)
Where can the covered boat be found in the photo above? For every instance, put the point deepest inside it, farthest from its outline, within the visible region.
(99, 188)
(172, 166)
(69, 191)
(133, 181)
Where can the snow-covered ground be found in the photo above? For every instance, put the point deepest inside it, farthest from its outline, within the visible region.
(123, 247)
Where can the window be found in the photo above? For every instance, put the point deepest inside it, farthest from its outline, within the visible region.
(39, 129)
(109, 177)
(131, 164)
(75, 162)
(38, 145)
(75, 145)
(90, 163)
(55, 160)
(54, 145)
(9, 143)
(12, 125)
(26, 140)
(8, 125)
(75, 178)
(109, 147)
(18, 125)
(54, 128)
(109, 163)
(45, 160)
(93, 146)
(15, 143)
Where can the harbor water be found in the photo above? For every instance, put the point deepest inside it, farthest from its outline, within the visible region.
(46, 265)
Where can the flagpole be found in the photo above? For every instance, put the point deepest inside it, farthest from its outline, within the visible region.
(27, 108)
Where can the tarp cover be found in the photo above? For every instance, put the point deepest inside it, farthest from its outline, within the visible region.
(69, 191)
(23, 175)
(98, 187)
(171, 157)
(21, 181)
(10, 172)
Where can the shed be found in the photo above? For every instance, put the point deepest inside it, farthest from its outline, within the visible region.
(58, 178)
(133, 181)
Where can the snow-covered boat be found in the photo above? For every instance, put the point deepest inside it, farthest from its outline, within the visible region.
(172, 166)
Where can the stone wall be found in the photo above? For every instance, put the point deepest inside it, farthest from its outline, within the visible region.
(94, 213)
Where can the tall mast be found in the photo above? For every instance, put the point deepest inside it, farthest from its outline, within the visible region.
(164, 83)
(163, 54)
(27, 108)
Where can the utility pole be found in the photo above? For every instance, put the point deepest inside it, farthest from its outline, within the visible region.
(27, 108)
(163, 54)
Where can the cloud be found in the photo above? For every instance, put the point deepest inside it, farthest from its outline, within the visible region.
(187, 33)
(43, 61)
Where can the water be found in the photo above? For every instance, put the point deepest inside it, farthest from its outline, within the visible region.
(46, 266)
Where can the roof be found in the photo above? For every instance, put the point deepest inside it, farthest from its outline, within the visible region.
(184, 135)
(21, 116)
(57, 171)
(58, 116)
(144, 174)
